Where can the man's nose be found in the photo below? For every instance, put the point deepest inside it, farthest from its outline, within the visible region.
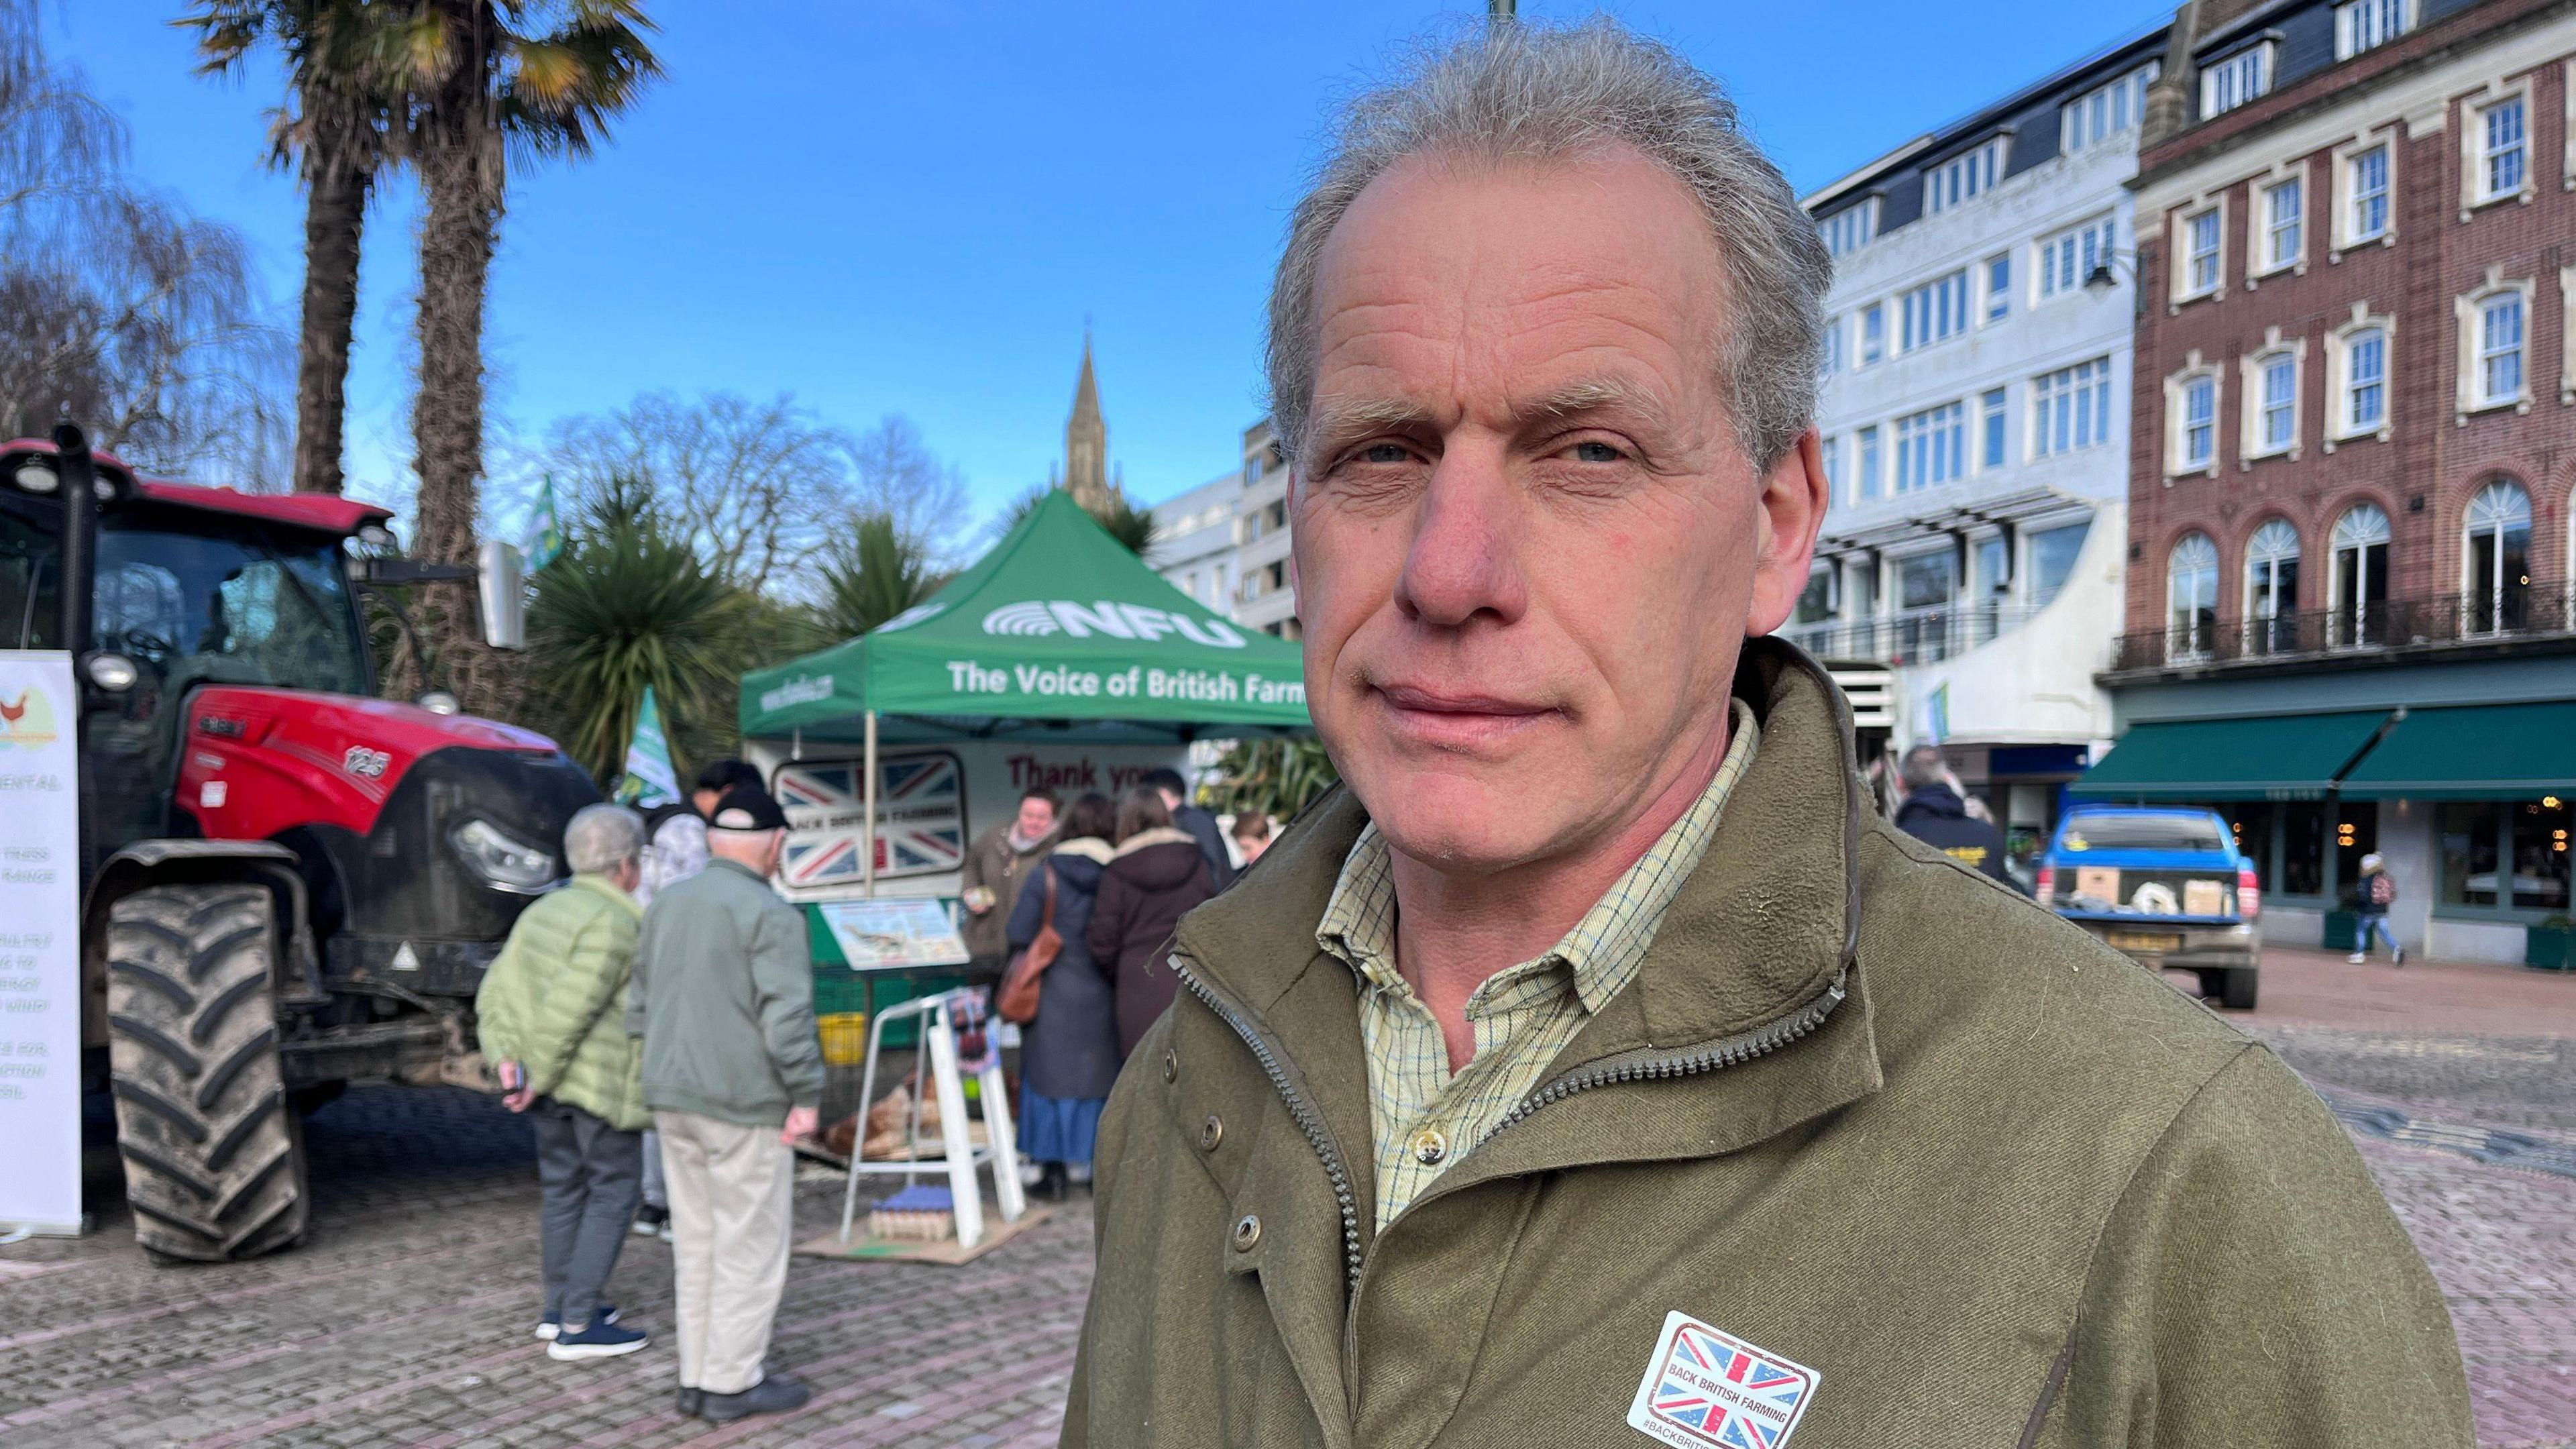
(1464, 559)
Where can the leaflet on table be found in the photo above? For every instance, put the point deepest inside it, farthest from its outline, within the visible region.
(883, 935)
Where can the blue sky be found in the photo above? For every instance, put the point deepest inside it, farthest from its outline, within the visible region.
(884, 206)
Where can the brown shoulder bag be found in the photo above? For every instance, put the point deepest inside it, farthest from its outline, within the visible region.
(1017, 1001)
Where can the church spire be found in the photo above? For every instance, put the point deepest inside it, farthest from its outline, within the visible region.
(1086, 440)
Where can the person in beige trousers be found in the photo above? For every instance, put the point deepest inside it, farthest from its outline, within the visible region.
(724, 1000)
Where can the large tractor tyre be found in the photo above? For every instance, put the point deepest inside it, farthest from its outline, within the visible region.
(214, 1163)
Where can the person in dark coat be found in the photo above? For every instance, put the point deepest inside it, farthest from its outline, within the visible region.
(1934, 814)
(1069, 1055)
(1158, 875)
(1200, 825)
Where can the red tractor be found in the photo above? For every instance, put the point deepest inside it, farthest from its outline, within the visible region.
(289, 884)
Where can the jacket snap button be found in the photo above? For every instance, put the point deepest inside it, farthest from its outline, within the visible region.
(1247, 1233)
(1212, 1134)
(1171, 1066)
(1429, 1146)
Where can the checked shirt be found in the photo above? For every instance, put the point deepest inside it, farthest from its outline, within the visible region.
(1424, 1118)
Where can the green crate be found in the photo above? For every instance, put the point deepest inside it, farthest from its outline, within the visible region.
(2342, 931)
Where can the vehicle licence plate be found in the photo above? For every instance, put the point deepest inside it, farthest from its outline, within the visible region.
(2145, 941)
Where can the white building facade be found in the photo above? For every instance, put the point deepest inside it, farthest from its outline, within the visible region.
(1975, 424)
(1225, 542)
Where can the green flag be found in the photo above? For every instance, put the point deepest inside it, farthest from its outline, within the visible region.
(545, 528)
(649, 780)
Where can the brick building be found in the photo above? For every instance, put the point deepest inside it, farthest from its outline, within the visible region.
(2350, 622)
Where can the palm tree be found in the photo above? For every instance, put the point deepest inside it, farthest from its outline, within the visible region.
(338, 125)
(872, 576)
(486, 76)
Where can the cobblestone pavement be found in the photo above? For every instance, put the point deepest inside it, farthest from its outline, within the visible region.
(405, 1319)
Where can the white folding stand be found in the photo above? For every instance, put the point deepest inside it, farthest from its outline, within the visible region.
(960, 1157)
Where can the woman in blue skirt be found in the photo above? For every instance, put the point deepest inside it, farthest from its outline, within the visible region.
(1069, 1054)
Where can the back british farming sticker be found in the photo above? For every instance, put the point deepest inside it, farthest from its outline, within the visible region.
(1706, 1387)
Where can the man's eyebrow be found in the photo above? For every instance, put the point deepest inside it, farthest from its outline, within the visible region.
(1592, 395)
(1349, 417)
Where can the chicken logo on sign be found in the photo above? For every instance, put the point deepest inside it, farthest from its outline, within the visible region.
(27, 722)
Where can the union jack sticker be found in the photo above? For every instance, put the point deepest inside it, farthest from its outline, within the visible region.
(921, 819)
(1708, 1388)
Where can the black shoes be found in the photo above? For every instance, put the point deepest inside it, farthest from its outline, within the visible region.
(692, 1402)
(1051, 1182)
(772, 1395)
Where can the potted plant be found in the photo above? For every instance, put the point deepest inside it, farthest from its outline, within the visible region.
(2551, 944)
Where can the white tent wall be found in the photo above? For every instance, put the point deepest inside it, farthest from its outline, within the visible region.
(989, 776)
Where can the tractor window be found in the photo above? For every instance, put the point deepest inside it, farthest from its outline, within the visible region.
(31, 611)
(230, 604)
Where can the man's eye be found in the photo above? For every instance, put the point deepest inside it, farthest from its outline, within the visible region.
(1383, 453)
(1591, 452)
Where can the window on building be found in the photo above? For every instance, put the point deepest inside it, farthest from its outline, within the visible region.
(1927, 585)
(2272, 589)
(2275, 403)
(2504, 855)
(1931, 447)
(2200, 253)
(2496, 577)
(2365, 176)
(1873, 333)
(2069, 256)
(2504, 148)
(2365, 381)
(1934, 312)
(1998, 286)
(2500, 341)
(1816, 601)
(2053, 552)
(1833, 345)
(2070, 409)
(1850, 229)
(1867, 464)
(1955, 181)
(2360, 612)
(1252, 469)
(1191, 587)
(2191, 598)
(2282, 206)
(2199, 423)
(1990, 424)
(2369, 24)
(2236, 80)
(2106, 111)
(1990, 578)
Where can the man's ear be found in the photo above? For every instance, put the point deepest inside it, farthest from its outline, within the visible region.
(1793, 502)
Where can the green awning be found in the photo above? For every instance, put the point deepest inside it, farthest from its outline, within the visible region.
(2263, 757)
(1058, 634)
(2472, 752)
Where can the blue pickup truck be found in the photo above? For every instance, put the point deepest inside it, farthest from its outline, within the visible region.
(2164, 885)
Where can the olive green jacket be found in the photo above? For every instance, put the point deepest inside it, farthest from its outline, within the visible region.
(554, 1001)
(1863, 1110)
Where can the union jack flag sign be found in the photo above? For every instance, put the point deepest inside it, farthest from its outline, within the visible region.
(1709, 1388)
(921, 819)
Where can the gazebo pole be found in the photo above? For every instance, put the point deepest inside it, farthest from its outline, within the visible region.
(868, 809)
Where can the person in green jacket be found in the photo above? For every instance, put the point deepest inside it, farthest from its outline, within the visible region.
(553, 1005)
(1594, 1067)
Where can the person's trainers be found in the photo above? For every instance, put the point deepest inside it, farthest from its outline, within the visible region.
(692, 1402)
(2397, 956)
(601, 1339)
(772, 1395)
(650, 1220)
(550, 1327)
(2356, 958)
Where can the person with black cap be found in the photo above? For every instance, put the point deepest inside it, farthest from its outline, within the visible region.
(724, 999)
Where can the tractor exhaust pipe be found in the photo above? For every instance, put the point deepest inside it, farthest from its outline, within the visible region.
(80, 537)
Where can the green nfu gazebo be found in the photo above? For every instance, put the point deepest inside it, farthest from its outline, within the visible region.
(1059, 634)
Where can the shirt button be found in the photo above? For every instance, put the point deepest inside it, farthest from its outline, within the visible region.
(1247, 1233)
(1212, 1134)
(1429, 1146)
(1171, 1066)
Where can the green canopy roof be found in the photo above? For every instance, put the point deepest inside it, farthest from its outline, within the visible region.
(2472, 752)
(2265, 757)
(1059, 633)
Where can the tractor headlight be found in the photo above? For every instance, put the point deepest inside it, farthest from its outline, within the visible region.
(502, 859)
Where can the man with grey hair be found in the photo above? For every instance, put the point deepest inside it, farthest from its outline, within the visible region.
(1936, 812)
(1596, 1067)
(552, 1016)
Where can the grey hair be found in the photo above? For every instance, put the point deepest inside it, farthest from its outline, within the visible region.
(600, 838)
(1535, 93)
(1924, 765)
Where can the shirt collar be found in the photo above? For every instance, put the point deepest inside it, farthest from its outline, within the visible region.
(1603, 950)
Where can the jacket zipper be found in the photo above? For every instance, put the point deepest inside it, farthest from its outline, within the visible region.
(1708, 1056)
(1309, 1121)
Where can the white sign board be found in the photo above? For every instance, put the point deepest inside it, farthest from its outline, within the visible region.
(877, 935)
(40, 998)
